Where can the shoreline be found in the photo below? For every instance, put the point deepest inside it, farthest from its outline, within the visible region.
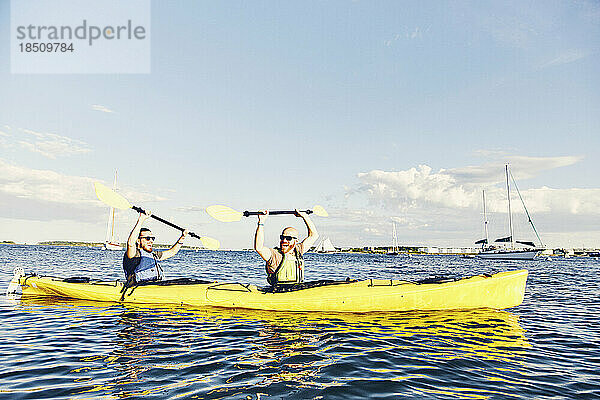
(558, 252)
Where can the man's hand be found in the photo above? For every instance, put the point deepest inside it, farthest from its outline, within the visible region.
(180, 241)
(263, 216)
(144, 216)
(300, 214)
(259, 236)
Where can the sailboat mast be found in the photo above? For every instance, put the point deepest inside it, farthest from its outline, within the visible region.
(510, 224)
(485, 221)
(394, 238)
(110, 225)
(526, 210)
(112, 211)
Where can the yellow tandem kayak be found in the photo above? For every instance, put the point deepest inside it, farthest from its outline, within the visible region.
(498, 291)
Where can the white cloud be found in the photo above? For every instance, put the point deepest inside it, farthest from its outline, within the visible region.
(412, 34)
(136, 196)
(190, 209)
(372, 231)
(461, 188)
(519, 27)
(45, 194)
(416, 33)
(4, 134)
(33, 133)
(566, 58)
(45, 185)
(522, 167)
(396, 189)
(51, 145)
(98, 107)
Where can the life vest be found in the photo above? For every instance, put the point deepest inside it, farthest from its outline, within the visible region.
(148, 269)
(290, 270)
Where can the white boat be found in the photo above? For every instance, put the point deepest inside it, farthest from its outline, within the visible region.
(110, 243)
(505, 251)
(509, 254)
(325, 246)
(112, 246)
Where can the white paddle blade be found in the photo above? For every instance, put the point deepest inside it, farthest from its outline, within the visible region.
(320, 211)
(110, 197)
(224, 213)
(210, 243)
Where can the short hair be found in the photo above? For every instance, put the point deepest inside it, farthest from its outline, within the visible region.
(144, 230)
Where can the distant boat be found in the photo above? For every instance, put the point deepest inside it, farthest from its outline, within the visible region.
(110, 243)
(325, 246)
(529, 252)
(394, 251)
(112, 246)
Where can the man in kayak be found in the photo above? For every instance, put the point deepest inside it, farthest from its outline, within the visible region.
(140, 262)
(285, 264)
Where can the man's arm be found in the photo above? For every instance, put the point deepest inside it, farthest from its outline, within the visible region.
(313, 235)
(135, 232)
(259, 237)
(175, 248)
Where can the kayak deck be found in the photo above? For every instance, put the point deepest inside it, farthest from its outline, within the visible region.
(499, 291)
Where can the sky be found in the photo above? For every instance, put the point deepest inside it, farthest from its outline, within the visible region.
(382, 112)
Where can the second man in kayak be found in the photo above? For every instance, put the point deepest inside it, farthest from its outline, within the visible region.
(285, 264)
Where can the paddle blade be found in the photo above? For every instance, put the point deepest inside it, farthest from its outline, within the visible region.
(224, 213)
(110, 197)
(320, 211)
(210, 243)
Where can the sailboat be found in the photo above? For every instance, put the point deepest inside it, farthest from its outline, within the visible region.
(529, 252)
(325, 246)
(394, 251)
(110, 242)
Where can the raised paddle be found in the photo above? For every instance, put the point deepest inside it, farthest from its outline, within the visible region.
(115, 200)
(228, 214)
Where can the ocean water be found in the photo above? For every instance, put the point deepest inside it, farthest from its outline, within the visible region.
(548, 347)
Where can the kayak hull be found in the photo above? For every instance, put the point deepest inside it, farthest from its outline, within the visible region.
(527, 255)
(499, 291)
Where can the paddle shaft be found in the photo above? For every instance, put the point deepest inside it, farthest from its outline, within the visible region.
(249, 213)
(164, 221)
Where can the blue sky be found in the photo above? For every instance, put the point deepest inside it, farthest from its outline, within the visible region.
(379, 111)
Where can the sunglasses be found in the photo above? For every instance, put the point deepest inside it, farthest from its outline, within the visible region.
(148, 237)
(288, 238)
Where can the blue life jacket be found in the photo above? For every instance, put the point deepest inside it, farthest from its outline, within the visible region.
(148, 269)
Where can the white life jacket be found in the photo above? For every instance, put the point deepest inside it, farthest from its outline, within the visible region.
(290, 270)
